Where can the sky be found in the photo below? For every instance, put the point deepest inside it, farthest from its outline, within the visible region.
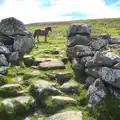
(31, 11)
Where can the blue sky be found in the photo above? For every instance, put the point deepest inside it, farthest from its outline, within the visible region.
(30, 11)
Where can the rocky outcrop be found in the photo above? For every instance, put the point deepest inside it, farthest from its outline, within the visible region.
(91, 57)
(15, 41)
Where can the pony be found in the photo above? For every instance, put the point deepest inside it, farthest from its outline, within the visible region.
(40, 32)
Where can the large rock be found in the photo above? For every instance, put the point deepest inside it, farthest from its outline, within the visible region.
(104, 58)
(117, 66)
(23, 44)
(55, 103)
(76, 65)
(69, 115)
(14, 57)
(42, 88)
(104, 36)
(114, 40)
(3, 70)
(98, 43)
(95, 94)
(7, 40)
(110, 76)
(84, 60)
(53, 64)
(16, 105)
(3, 60)
(79, 28)
(4, 50)
(70, 87)
(94, 72)
(12, 27)
(63, 77)
(77, 40)
(10, 90)
(89, 81)
(81, 51)
(28, 60)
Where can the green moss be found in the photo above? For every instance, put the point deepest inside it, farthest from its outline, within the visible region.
(54, 105)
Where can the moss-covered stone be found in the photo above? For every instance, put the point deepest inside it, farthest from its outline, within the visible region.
(55, 103)
(10, 90)
(70, 87)
(16, 105)
(33, 73)
(41, 89)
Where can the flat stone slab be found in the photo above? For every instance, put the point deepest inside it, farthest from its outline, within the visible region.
(69, 115)
(53, 64)
(63, 98)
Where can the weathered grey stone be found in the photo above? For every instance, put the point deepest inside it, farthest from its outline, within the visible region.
(115, 46)
(4, 50)
(63, 98)
(89, 81)
(85, 59)
(11, 26)
(94, 72)
(23, 44)
(3, 60)
(42, 87)
(98, 43)
(115, 58)
(54, 64)
(116, 66)
(69, 52)
(33, 73)
(10, 47)
(79, 28)
(40, 60)
(28, 60)
(10, 90)
(69, 115)
(110, 76)
(114, 40)
(100, 59)
(7, 40)
(104, 36)
(63, 77)
(81, 51)
(77, 40)
(16, 105)
(70, 87)
(77, 65)
(96, 92)
(3, 70)
(14, 57)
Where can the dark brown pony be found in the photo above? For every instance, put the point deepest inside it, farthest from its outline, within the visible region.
(44, 32)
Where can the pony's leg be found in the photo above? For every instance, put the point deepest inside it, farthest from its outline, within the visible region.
(45, 38)
(37, 38)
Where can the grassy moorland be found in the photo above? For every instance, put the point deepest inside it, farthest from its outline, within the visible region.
(57, 41)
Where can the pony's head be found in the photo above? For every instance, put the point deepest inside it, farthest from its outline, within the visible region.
(48, 29)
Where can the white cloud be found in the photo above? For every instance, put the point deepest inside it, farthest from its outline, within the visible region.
(29, 11)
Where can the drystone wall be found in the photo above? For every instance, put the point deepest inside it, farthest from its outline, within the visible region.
(92, 58)
(15, 41)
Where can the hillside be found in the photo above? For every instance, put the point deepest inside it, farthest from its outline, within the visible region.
(111, 25)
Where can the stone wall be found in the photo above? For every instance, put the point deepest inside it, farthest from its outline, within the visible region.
(92, 58)
(15, 41)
